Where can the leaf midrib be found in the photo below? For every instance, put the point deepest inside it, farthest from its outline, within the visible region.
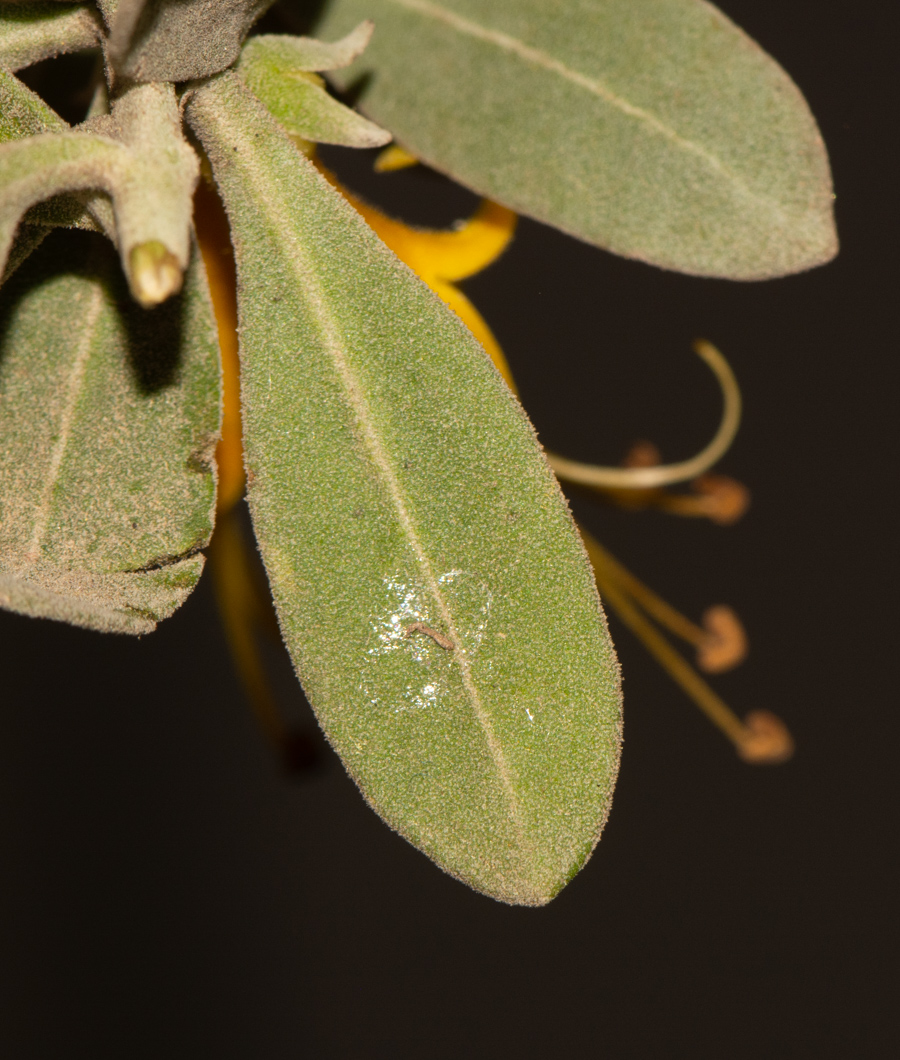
(537, 57)
(281, 217)
(73, 385)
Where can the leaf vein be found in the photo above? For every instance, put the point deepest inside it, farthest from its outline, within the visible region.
(540, 58)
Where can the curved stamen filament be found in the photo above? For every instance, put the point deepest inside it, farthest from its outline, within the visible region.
(642, 478)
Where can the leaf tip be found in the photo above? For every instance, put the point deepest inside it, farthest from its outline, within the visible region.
(154, 273)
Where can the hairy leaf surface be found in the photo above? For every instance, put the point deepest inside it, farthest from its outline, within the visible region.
(109, 415)
(429, 580)
(654, 128)
(178, 40)
(34, 31)
(23, 112)
(277, 70)
(143, 164)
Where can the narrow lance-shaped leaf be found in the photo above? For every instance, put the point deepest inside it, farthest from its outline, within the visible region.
(109, 416)
(275, 68)
(34, 31)
(654, 128)
(429, 580)
(178, 40)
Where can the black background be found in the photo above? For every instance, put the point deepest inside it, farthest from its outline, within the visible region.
(167, 891)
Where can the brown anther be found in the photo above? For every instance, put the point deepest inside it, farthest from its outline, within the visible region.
(767, 741)
(723, 499)
(642, 454)
(725, 643)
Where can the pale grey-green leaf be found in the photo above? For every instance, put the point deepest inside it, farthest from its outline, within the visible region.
(109, 416)
(279, 78)
(31, 32)
(429, 580)
(179, 40)
(654, 128)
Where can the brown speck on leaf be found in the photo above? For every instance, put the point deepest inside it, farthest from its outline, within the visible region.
(438, 638)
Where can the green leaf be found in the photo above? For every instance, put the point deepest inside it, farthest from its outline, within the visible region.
(148, 170)
(178, 40)
(429, 581)
(276, 69)
(309, 54)
(23, 112)
(35, 31)
(654, 128)
(109, 416)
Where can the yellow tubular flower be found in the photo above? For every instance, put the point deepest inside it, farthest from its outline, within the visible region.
(215, 245)
(443, 258)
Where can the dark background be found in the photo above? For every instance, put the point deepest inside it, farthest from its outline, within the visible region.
(167, 891)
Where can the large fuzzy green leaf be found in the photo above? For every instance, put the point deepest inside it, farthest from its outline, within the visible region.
(109, 415)
(429, 580)
(654, 128)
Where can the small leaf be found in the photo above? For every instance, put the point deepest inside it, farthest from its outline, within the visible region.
(150, 175)
(23, 112)
(429, 581)
(275, 68)
(109, 415)
(35, 31)
(654, 128)
(178, 40)
(309, 54)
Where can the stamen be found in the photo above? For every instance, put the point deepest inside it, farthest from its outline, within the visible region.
(725, 643)
(763, 738)
(663, 612)
(642, 454)
(642, 478)
(720, 498)
(768, 741)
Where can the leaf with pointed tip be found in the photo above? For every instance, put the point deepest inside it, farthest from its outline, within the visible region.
(654, 128)
(179, 40)
(109, 416)
(23, 112)
(429, 581)
(312, 55)
(35, 31)
(275, 69)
